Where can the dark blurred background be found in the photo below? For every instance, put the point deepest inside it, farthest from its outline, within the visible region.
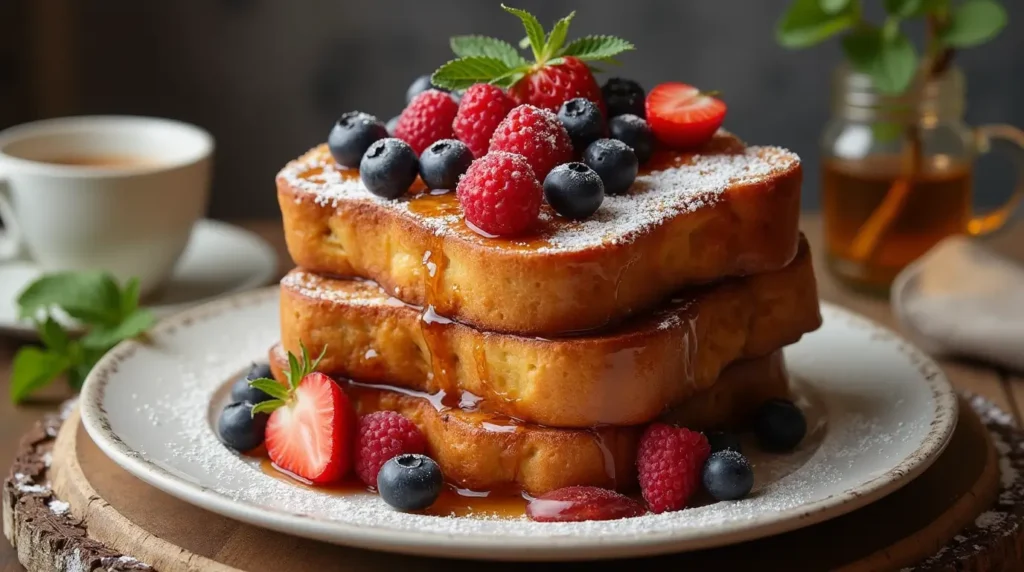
(267, 77)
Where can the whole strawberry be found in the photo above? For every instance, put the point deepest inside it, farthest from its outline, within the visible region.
(381, 436)
(482, 108)
(669, 464)
(428, 118)
(558, 73)
(537, 135)
(499, 194)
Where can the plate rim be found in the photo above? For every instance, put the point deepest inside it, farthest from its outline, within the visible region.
(513, 548)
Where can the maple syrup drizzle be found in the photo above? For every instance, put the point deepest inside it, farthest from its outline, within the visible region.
(609, 459)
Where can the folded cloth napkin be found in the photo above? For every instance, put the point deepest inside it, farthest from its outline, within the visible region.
(963, 299)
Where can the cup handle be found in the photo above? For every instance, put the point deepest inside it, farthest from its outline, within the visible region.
(10, 237)
(985, 136)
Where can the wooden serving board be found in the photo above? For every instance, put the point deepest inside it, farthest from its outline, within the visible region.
(66, 506)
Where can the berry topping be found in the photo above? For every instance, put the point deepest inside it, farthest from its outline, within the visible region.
(391, 124)
(575, 504)
(722, 440)
(352, 135)
(410, 482)
(669, 464)
(389, 167)
(574, 190)
(727, 475)
(779, 425)
(383, 435)
(681, 116)
(312, 424)
(482, 108)
(550, 86)
(426, 119)
(242, 391)
(583, 121)
(615, 162)
(499, 194)
(622, 96)
(635, 132)
(239, 428)
(537, 135)
(418, 86)
(443, 163)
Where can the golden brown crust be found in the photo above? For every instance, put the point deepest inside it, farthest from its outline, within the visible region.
(624, 377)
(485, 452)
(427, 256)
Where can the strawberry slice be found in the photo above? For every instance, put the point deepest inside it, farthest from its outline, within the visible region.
(312, 423)
(681, 116)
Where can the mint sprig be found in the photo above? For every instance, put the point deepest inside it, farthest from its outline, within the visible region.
(109, 313)
(482, 59)
(298, 368)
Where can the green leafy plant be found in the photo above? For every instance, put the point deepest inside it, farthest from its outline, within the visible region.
(108, 312)
(298, 368)
(482, 59)
(884, 51)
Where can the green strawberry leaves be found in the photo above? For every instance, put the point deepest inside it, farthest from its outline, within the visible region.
(489, 60)
(298, 367)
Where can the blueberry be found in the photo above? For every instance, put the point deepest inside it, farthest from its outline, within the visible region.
(574, 190)
(352, 135)
(623, 96)
(418, 86)
(241, 391)
(239, 429)
(389, 167)
(635, 132)
(779, 425)
(615, 162)
(410, 482)
(390, 126)
(721, 440)
(444, 162)
(727, 475)
(583, 120)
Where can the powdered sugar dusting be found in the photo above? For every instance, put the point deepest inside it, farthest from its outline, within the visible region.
(691, 183)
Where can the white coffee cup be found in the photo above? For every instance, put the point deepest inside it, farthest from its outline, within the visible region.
(130, 212)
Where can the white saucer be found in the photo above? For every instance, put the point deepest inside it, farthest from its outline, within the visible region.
(881, 413)
(220, 259)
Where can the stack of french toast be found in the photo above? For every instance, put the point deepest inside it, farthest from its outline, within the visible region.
(534, 363)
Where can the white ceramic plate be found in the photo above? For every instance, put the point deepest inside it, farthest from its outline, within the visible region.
(881, 413)
(220, 259)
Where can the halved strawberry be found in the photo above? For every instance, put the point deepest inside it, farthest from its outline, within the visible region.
(681, 116)
(312, 423)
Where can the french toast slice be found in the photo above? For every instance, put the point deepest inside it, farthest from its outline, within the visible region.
(722, 210)
(625, 376)
(491, 452)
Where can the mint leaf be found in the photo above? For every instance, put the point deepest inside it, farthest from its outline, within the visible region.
(974, 22)
(903, 8)
(106, 337)
(596, 48)
(884, 132)
(52, 335)
(806, 23)
(556, 39)
(833, 6)
(294, 370)
(33, 368)
(91, 297)
(130, 297)
(891, 62)
(270, 387)
(534, 31)
(464, 72)
(268, 406)
(484, 47)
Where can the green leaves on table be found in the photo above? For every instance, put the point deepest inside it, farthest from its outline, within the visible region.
(884, 52)
(109, 313)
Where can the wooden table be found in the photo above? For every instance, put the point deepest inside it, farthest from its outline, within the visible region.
(1003, 388)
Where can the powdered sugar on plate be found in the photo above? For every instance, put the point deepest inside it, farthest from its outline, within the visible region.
(692, 182)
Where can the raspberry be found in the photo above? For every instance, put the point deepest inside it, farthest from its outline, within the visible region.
(551, 86)
(669, 464)
(575, 504)
(427, 118)
(381, 436)
(482, 108)
(537, 135)
(499, 194)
